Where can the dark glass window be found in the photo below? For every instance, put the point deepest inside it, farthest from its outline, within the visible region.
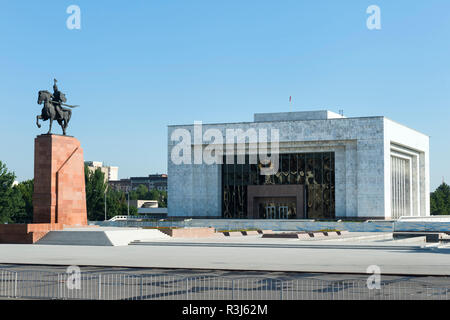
(313, 170)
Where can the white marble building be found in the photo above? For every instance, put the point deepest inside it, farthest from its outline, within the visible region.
(380, 168)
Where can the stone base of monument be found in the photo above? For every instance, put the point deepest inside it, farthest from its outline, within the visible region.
(59, 191)
(59, 196)
(101, 236)
(26, 233)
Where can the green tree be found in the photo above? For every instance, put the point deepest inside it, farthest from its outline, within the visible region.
(116, 201)
(134, 195)
(117, 204)
(124, 208)
(11, 203)
(113, 203)
(142, 192)
(440, 200)
(162, 200)
(159, 195)
(153, 194)
(95, 194)
(25, 190)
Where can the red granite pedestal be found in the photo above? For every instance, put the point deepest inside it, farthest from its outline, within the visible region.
(59, 198)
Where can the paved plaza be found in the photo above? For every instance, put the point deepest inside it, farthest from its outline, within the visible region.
(250, 253)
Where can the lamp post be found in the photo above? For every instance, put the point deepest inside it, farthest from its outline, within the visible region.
(105, 203)
(128, 207)
(130, 187)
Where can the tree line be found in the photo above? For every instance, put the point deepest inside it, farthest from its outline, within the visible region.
(16, 204)
(440, 200)
(16, 201)
(97, 191)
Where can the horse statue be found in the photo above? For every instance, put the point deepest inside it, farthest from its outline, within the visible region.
(49, 112)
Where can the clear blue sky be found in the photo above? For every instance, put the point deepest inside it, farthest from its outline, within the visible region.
(137, 66)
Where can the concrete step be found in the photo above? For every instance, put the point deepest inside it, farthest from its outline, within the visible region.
(102, 236)
(432, 237)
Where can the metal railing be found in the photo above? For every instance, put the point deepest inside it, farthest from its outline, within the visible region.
(8, 284)
(135, 218)
(126, 286)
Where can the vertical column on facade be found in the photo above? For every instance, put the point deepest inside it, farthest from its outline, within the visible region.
(402, 189)
(395, 186)
(398, 188)
(397, 176)
(392, 188)
(405, 194)
(400, 193)
(409, 187)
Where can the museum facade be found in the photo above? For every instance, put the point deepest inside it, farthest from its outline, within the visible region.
(328, 167)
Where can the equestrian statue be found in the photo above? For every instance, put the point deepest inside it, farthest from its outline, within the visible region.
(53, 109)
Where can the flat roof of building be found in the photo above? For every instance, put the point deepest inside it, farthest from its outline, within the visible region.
(294, 117)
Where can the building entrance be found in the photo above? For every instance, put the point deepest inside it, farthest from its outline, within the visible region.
(276, 209)
(276, 202)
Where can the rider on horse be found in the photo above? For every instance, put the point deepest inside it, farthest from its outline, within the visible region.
(58, 98)
(52, 109)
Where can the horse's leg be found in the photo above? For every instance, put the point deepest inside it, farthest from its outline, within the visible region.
(37, 120)
(61, 123)
(50, 127)
(67, 118)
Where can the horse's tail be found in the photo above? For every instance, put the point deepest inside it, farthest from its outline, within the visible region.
(69, 114)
